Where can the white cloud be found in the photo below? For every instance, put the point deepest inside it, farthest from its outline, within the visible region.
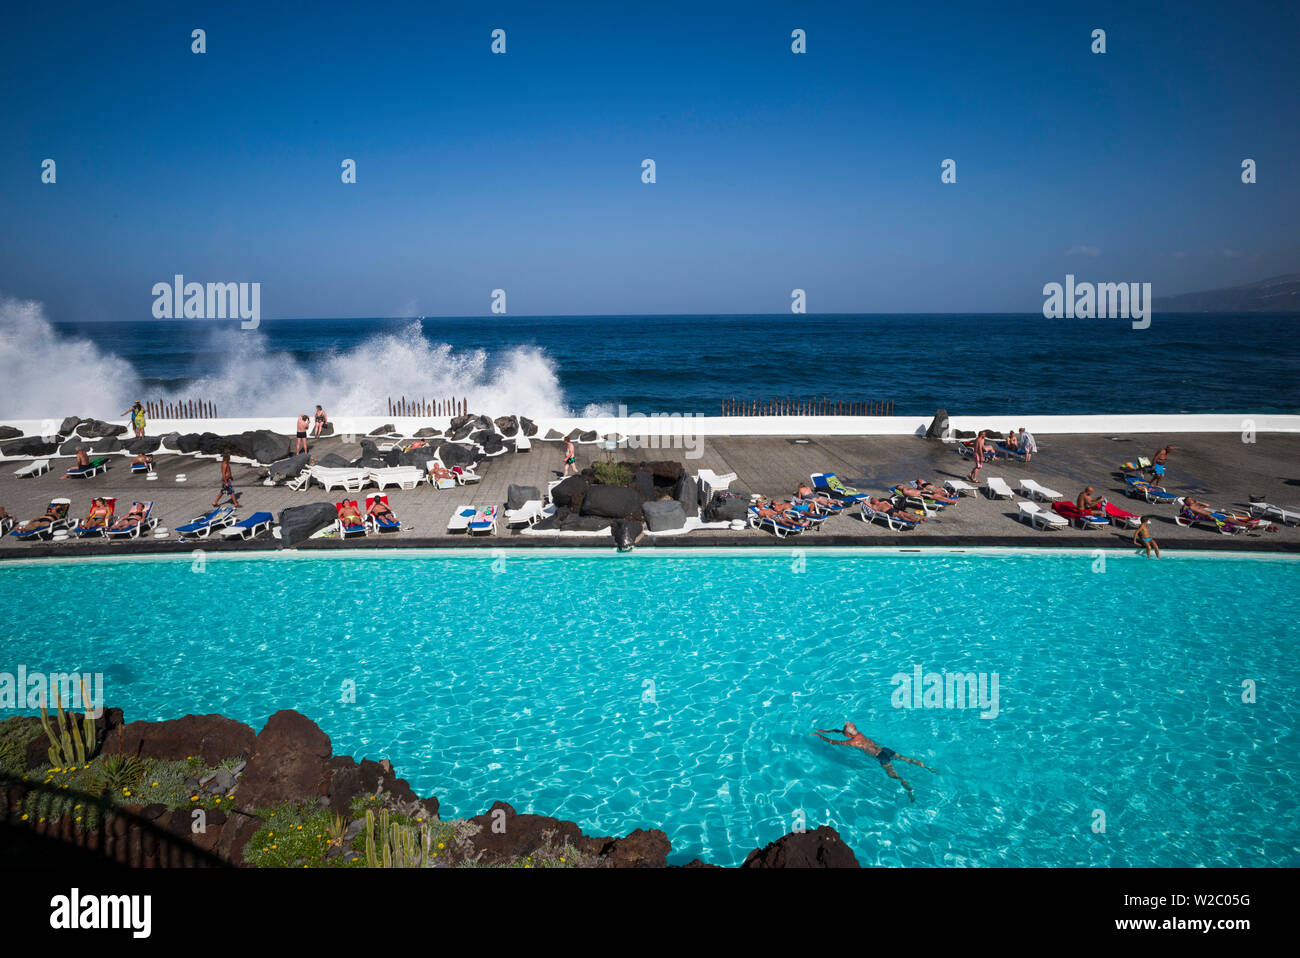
(1082, 250)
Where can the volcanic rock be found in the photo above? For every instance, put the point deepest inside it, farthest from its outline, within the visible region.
(820, 848)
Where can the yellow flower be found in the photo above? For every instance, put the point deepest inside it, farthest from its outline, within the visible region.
(24, 818)
(76, 807)
(153, 784)
(275, 846)
(441, 845)
(194, 798)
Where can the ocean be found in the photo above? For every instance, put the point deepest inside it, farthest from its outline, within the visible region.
(565, 365)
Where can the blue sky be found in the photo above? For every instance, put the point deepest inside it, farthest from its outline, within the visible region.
(523, 171)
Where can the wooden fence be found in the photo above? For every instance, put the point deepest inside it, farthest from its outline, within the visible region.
(180, 409)
(818, 406)
(402, 406)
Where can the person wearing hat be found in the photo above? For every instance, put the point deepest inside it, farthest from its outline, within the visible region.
(136, 412)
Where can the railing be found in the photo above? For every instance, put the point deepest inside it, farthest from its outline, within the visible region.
(180, 409)
(402, 406)
(818, 406)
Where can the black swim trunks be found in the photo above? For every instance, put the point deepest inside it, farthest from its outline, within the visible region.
(885, 755)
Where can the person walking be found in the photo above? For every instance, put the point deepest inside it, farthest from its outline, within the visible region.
(136, 412)
(1158, 462)
(227, 483)
(978, 455)
(570, 458)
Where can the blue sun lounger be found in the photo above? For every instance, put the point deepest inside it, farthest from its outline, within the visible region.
(95, 467)
(249, 528)
(1141, 489)
(58, 511)
(201, 527)
(828, 483)
(381, 523)
(133, 529)
(780, 524)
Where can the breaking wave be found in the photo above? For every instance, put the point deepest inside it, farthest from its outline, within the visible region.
(45, 373)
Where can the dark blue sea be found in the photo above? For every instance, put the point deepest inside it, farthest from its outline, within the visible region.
(979, 363)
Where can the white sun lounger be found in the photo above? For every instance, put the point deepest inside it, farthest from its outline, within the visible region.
(1037, 517)
(998, 488)
(711, 482)
(349, 480)
(1262, 510)
(895, 525)
(959, 488)
(530, 513)
(1033, 490)
(33, 469)
(460, 517)
(404, 477)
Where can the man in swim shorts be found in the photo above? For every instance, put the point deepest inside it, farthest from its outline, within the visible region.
(227, 484)
(885, 756)
(570, 457)
(1158, 465)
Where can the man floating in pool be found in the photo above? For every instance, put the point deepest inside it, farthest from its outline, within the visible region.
(884, 756)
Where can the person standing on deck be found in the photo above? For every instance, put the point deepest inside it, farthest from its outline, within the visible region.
(227, 483)
(303, 423)
(1027, 444)
(136, 412)
(1158, 465)
(570, 457)
(884, 756)
(979, 456)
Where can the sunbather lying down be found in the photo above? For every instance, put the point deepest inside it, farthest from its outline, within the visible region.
(379, 509)
(134, 517)
(805, 494)
(40, 522)
(779, 510)
(349, 515)
(921, 489)
(98, 514)
(889, 509)
(439, 471)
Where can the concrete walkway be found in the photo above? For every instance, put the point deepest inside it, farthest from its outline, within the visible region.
(1216, 467)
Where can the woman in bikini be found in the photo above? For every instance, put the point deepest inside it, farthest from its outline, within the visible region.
(132, 518)
(321, 423)
(98, 514)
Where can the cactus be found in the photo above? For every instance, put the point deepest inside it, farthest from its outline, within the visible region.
(72, 745)
(393, 845)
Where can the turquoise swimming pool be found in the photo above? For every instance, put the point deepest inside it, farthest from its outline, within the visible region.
(679, 692)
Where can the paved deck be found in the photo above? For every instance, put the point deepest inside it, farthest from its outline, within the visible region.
(1217, 467)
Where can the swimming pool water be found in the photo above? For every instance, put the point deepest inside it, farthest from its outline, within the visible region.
(679, 692)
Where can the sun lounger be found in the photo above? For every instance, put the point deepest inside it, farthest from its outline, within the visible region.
(998, 488)
(33, 469)
(1033, 490)
(299, 482)
(347, 528)
(1121, 517)
(249, 528)
(711, 483)
(446, 482)
(484, 521)
(1262, 510)
(200, 527)
(141, 467)
(381, 523)
(85, 529)
(349, 480)
(959, 488)
(404, 477)
(1141, 489)
(1228, 523)
(1034, 514)
(6, 525)
(1084, 520)
(465, 475)
(780, 524)
(95, 467)
(896, 519)
(61, 520)
(529, 514)
(830, 484)
(134, 527)
(460, 516)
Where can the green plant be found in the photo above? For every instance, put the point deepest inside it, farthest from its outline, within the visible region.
(118, 773)
(396, 845)
(612, 473)
(337, 828)
(72, 744)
